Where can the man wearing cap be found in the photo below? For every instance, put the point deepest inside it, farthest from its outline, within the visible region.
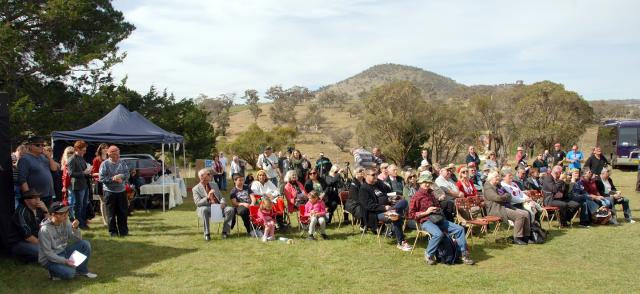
(472, 156)
(558, 154)
(34, 170)
(113, 174)
(268, 162)
(55, 239)
(423, 204)
(23, 241)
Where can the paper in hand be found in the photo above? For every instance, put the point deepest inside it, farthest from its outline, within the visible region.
(77, 257)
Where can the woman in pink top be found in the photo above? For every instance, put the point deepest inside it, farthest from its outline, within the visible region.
(316, 211)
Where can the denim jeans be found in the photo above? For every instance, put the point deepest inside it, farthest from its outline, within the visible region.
(78, 206)
(66, 272)
(454, 230)
(400, 208)
(223, 181)
(625, 206)
(26, 251)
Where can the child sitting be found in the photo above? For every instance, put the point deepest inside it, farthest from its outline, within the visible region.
(316, 211)
(267, 215)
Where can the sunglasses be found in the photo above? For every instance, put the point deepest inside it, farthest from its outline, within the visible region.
(38, 145)
(371, 175)
(313, 173)
(463, 172)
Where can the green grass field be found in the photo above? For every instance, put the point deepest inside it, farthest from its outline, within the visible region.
(167, 254)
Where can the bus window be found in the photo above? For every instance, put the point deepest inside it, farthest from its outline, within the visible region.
(628, 137)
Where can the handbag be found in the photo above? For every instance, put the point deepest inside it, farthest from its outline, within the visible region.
(436, 218)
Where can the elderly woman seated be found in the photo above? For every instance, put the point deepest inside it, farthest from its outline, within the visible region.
(608, 189)
(498, 203)
(519, 199)
(294, 191)
(265, 190)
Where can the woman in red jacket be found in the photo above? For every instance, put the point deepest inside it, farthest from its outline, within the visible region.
(66, 179)
(464, 184)
(294, 190)
(101, 155)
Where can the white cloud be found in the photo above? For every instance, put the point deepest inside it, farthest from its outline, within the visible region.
(214, 47)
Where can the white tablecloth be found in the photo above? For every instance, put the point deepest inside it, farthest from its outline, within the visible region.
(174, 187)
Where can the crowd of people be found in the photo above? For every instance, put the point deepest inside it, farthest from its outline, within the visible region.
(47, 225)
(383, 194)
(376, 194)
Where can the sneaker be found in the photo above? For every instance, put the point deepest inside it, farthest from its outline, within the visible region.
(584, 226)
(431, 260)
(404, 246)
(519, 241)
(89, 275)
(467, 260)
(225, 235)
(54, 278)
(311, 238)
(264, 238)
(631, 221)
(207, 237)
(324, 236)
(272, 238)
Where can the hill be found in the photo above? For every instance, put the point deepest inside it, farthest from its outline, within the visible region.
(378, 75)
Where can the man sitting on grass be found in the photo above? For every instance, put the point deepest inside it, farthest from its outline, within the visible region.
(30, 212)
(55, 237)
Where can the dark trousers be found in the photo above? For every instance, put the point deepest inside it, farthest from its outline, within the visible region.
(567, 208)
(331, 205)
(243, 212)
(117, 206)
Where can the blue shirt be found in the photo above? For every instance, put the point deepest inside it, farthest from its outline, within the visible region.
(36, 172)
(571, 155)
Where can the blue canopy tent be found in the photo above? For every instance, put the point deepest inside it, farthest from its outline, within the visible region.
(122, 126)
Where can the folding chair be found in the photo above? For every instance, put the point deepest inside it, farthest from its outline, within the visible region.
(256, 222)
(548, 212)
(344, 195)
(464, 217)
(419, 233)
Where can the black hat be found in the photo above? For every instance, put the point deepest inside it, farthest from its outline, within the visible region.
(31, 194)
(58, 207)
(35, 139)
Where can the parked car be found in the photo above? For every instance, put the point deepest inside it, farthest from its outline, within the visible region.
(147, 168)
(141, 156)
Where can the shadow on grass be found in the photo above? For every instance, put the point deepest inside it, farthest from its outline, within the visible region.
(111, 259)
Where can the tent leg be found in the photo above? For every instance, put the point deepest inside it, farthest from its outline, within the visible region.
(163, 159)
(184, 159)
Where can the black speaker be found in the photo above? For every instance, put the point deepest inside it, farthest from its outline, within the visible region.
(6, 173)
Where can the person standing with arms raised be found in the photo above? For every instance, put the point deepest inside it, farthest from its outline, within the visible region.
(113, 174)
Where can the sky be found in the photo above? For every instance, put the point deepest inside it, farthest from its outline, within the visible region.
(193, 47)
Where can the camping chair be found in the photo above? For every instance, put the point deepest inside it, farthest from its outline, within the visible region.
(303, 221)
(256, 222)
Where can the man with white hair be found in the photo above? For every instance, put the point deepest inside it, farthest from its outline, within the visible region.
(555, 194)
(451, 191)
(205, 193)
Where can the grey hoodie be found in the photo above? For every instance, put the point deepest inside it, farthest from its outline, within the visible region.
(53, 239)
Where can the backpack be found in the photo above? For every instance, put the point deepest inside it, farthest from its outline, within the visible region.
(447, 252)
(537, 233)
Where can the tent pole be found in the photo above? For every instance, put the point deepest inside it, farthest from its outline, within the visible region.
(184, 158)
(163, 159)
(175, 167)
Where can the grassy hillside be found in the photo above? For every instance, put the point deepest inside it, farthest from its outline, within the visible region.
(386, 73)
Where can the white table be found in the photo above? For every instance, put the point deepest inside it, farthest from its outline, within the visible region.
(173, 189)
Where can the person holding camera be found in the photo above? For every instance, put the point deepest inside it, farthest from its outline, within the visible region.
(268, 162)
(425, 210)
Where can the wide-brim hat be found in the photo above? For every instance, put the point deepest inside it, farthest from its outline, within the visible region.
(425, 178)
(58, 207)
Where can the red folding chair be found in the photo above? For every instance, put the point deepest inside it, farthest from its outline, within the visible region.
(256, 222)
(303, 220)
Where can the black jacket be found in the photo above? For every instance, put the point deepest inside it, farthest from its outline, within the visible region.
(308, 186)
(600, 186)
(596, 165)
(475, 159)
(372, 200)
(26, 222)
(550, 187)
(75, 168)
(353, 203)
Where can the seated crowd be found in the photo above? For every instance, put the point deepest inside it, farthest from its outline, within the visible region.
(443, 202)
